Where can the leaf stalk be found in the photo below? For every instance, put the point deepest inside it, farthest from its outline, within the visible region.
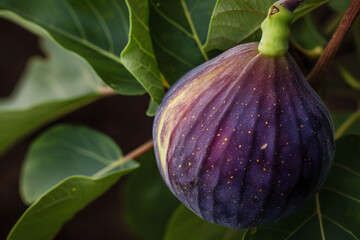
(131, 155)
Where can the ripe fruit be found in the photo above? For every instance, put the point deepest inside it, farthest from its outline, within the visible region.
(243, 140)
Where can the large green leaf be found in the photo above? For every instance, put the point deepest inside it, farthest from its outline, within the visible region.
(235, 21)
(115, 43)
(61, 152)
(307, 36)
(138, 56)
(148, 202)
(66, 169)
(48, 89)
(335, 210)
(179, 29)
(184, 224)
(340, 118)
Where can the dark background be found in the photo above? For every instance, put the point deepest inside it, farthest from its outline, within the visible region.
(128, 126)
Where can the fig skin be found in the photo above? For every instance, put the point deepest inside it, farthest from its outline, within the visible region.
(243, 140)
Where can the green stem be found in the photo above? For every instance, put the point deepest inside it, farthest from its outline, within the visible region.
(347, 124)
(133, 154)
(276, 28)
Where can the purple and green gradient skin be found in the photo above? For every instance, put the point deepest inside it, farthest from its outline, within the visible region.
(243, 140)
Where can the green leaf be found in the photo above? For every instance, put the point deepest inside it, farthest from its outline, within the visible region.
(335, 210)
(61, 152)
(308, 6)
(179, 29)
(184, 224)
(98, 31)
(339, 5)
(138, 56)
(235, 21)
(46, 216)
(49, 89)
(151, 111)
(340, 118)
(148, 202)
(307, 36)
(348, 77)
(65, 165)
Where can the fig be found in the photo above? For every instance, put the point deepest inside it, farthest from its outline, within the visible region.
(243, 140)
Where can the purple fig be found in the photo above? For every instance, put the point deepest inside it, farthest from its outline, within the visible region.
(243, 140)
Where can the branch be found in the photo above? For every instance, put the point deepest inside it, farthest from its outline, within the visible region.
(139, 151)
(316, 75)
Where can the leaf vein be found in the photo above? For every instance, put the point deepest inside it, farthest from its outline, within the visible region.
(142, 48)
(172, 22)
(102, 22)
(75, 18)
(192, 27)
(194, 6)
(230, 39)
(140, 21)
(300, 226)
(54, 202)
(239, 11)
(122, 16)
(229, 26)
(86, 153)
(62, 32)
(346, 168)
(174, 55)
(342, 194)
(341, 226)
(147, 86)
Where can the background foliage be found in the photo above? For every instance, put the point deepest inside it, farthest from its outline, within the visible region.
(98, 48)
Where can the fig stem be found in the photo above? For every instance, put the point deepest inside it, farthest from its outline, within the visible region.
(131, 155)
(276, 28)
(347, 124)
(317, 73)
